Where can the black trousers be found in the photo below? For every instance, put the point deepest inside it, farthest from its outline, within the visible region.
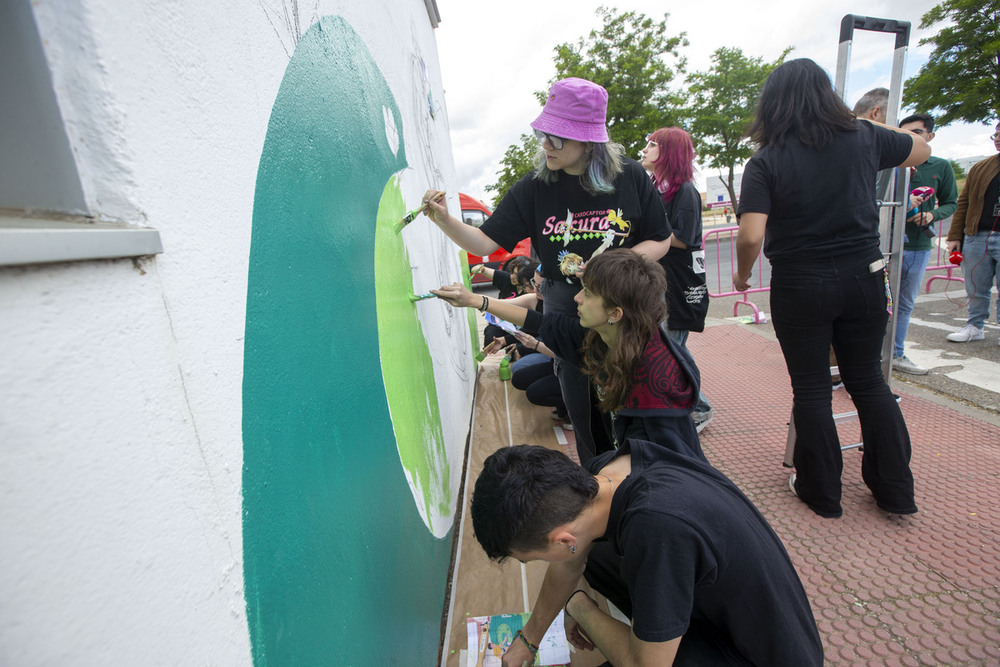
(840, 301)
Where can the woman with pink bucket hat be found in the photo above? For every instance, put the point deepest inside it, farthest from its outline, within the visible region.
(583, 198)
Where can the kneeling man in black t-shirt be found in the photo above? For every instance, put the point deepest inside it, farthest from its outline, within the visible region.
(667, 538)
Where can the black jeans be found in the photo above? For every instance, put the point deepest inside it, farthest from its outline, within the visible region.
(839, 301)
(574, 385)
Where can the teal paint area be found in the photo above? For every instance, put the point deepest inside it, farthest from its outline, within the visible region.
(339, 568)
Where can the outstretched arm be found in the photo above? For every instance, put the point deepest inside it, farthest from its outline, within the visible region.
(457, 295)
(466, 236)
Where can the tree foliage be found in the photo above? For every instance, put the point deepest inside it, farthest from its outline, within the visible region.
(634, 58)
(516, 162)
(958, 169)
(961, 79)
(723, 101)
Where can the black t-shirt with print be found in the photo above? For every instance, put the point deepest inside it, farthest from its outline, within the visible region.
(623, 218)
(821, 202)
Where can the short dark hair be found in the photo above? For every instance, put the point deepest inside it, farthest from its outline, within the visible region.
(797, 100)
(925, 119)
(522, 494)
(876, 97)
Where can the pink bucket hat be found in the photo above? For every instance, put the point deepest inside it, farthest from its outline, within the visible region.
(576, 109)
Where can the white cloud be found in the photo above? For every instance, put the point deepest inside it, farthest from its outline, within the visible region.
(495, 55)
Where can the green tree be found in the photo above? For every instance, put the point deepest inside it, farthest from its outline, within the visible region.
(723, 101)
(961, 79)
(635, 59)
(516, 162)
(957, 168)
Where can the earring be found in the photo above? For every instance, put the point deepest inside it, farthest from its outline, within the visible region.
(611, 321)
(572, 548)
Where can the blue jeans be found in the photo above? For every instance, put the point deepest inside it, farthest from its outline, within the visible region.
(912, 275)
(680, 336)
(981, 270)
(838, 301)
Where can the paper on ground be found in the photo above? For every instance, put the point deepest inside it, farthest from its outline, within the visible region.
(486, 646)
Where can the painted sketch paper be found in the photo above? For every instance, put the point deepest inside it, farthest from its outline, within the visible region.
(503, 324)
(489, 637)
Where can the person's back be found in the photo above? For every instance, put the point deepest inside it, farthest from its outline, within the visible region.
(699, 557)
(826, 205)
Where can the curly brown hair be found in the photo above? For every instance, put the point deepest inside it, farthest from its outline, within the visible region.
(623, 278)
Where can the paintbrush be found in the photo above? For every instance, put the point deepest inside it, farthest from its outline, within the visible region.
(412, 215)
(421, 297)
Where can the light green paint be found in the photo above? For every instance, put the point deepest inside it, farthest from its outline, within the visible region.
(407, 370)
(339, 567)
(463, 262)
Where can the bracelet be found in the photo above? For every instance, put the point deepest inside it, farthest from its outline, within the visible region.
(531, 647)
(566, 606)
(486, 304)
(536, 345)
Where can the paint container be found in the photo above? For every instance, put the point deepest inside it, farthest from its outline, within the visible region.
(505, 368)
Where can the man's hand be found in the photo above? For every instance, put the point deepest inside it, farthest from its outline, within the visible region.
(952, 246)
(517, 655)
(741, 284)
(457, 295)
(922, 219)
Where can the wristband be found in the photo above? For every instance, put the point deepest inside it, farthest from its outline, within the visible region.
(536, 345)
(531, 647)
(486, 304)
(566, 606)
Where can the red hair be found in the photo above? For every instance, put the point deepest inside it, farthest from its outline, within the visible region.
(675, 165)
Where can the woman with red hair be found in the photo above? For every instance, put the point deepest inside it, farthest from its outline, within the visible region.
(669, 159)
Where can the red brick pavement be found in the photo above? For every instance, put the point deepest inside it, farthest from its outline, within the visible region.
(886, 590)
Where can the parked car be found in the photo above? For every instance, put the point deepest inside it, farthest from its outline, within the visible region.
(474, 212)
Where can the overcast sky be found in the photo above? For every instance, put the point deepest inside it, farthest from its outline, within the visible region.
(495, 55)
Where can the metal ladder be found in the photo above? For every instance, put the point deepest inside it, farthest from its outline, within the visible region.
(891, 188)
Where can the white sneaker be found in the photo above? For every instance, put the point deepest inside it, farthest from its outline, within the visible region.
(965, 334)
(702, 419)
(904, 365)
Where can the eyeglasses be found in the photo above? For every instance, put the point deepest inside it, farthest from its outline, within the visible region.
(557, 142)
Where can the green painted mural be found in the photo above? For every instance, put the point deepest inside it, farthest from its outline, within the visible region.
(407, 370)
(339, 566)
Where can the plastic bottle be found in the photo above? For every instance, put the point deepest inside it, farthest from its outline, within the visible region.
(505, 368)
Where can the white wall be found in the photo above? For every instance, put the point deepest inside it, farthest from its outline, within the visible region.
(120, 407)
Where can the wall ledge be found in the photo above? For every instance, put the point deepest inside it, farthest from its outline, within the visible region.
(40, 238)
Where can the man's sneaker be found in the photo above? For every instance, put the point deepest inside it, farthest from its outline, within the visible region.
(791, 485)
(904, 365)
(702, 419)
(966, 333)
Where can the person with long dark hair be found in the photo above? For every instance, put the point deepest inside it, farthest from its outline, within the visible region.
(583, 198)
(645, 386)
(808, 194)
(669, 159)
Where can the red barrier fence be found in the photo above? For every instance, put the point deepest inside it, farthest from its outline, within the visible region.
(722, 260)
